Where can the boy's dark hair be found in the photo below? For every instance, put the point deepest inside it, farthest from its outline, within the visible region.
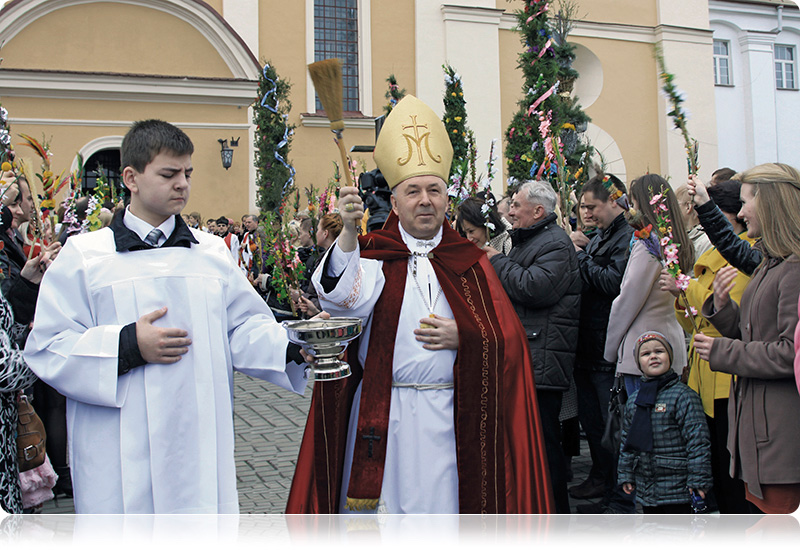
(148, 138)
(598, 190)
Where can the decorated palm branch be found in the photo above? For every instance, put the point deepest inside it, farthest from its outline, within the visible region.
(660, 243)
(555, 167)
(45, 202)
(281, 259)
(677, 113)
(618, 196)
(393, 94)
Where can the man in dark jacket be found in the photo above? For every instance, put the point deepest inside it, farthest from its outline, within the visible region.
(542, 279)
(602, 263)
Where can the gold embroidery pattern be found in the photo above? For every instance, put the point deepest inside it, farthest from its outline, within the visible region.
(355, 292)
(417, 141)
(497, 362)
(484, 390)
(331, 504)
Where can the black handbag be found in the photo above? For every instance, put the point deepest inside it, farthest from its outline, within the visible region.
(612, 435)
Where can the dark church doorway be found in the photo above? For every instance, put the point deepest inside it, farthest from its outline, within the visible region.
(105, 164)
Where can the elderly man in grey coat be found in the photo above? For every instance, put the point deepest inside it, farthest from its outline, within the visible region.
(542, 278)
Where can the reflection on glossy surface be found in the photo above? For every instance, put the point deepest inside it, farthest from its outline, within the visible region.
(568, 531)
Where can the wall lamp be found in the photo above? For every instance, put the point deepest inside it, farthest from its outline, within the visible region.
(227, 152)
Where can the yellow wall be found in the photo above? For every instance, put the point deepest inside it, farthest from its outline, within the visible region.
(163, 44)
(393, 49)
(75, 109)
(282, 41)
(628, 80)
(631, 12)
(215, 191)
(119, 38)
(217, 5)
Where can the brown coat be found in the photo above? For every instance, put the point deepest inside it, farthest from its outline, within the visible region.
(758, 347)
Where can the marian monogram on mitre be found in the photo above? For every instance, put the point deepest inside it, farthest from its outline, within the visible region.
(413, 142)
(419, 142)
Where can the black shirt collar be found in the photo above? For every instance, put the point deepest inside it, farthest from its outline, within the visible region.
(128, 241)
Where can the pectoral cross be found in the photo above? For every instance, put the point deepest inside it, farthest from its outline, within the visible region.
(371, 437)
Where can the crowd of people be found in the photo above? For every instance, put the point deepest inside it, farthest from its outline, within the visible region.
(707, 363)
(490, 341)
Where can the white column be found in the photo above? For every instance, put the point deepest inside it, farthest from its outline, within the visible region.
(472, 47)
(685, 39)
(252, 207)
(758, 81)
(465, 35)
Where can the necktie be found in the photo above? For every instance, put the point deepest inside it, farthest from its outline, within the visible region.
(152, 237)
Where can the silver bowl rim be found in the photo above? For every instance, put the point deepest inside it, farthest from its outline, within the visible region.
(346, 321)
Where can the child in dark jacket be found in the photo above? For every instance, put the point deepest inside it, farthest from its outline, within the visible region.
(665, 453)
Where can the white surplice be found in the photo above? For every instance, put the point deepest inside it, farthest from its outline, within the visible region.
(420, 472)
(158, 439)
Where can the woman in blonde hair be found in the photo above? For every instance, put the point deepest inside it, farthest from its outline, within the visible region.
(757, 343)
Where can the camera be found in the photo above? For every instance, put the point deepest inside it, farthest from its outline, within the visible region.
(375, 193)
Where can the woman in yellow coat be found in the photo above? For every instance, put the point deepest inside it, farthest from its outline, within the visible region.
(714, 387)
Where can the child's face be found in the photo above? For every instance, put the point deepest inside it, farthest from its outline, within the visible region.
(653, 359)
(162, 190)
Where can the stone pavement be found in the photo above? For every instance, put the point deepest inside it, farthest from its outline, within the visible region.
(269, 423)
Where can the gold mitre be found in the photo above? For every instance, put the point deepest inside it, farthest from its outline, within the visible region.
(413, 142)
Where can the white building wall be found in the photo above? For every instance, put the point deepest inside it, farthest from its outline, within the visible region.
(756, 122)
(787, 104)
(731, 132)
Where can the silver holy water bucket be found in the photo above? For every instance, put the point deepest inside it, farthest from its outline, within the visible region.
(325, 339)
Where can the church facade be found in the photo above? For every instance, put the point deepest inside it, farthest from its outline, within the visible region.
(78, 72)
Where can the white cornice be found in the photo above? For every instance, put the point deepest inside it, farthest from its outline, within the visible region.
(470, 14)
(765, 10)
(312, 121)
(613, 31)
(231, 48)
(683, 34)
(763, 41)
(126, 88)
(627, 33)
(123, 124)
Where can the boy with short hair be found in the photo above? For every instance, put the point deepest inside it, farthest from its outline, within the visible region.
(666, 450)
(140, 326)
